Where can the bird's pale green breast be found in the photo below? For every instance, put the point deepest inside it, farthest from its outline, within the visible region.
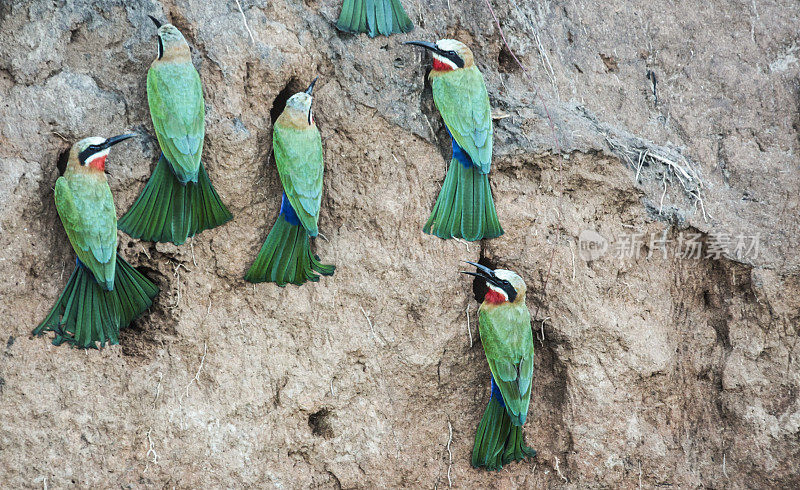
(506, 330)
(298, 156)
(508, 343)
(86, 207)
(175, 97)
(462, 100)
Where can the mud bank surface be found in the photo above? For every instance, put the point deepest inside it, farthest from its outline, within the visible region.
(649, 370)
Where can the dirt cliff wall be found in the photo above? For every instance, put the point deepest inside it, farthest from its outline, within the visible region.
(650, 370)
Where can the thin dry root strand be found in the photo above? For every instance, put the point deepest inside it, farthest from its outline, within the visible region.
(196, 377)
(244, 19)
(450, 454)
(469, 327)
(638, 154)
(150, 451)
(462, 241)
(374, 335)
(558, 470)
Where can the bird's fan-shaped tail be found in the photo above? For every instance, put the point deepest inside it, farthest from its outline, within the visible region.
(465, 207)
(374, 16)
(168, 211)
(286, 255)
(134, 292)
(498, 441)
(86, 315)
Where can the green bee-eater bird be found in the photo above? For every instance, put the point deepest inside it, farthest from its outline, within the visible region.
(178, 200)
(505, 328)
(464, 208)
(286, 255)
(374, 16)
(104, 293)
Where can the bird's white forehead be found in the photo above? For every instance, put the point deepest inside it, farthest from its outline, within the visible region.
(505, 274)
(449, 44)
(170, 31)
(91, 140)
(301, 100)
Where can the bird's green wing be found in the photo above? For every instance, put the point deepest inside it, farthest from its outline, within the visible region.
(508, 343)
(298, 155)
(175, 96)
(87, 212)
(463, 102)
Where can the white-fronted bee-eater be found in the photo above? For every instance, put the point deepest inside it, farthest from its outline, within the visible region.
(178, 200)
(464, 208)
(286, 255)
(374, 17)
(104, 293)
(505, 329)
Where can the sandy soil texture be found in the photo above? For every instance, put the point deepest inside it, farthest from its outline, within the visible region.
(651, 369)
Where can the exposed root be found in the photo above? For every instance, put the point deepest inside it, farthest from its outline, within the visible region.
(196, 377)
(724, 471)
(191, 247)
(176, 273)
(640, 474)
(541, 339)
(374, 335)
(638, 154)
(469, 327)
(543, 57)
(462, 241)
(244, 19)
(150, 451)
(450, 454)
(572, 252)
(558, 470)
(68, 141)
(199, 368)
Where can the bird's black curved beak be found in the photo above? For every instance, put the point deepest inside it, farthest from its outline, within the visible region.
(426, 45)
(310, 88)
(155, 21)
(115, 139)
(484, 272)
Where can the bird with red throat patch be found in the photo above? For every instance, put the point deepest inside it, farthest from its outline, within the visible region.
(465, 207)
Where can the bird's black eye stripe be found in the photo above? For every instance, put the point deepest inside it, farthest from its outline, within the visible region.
(454, 57)
(89, 151)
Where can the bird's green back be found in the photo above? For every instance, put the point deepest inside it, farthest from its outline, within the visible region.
(175, 97)
(508, 343)
(298, 156)
(86, 208)
(463, 102)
